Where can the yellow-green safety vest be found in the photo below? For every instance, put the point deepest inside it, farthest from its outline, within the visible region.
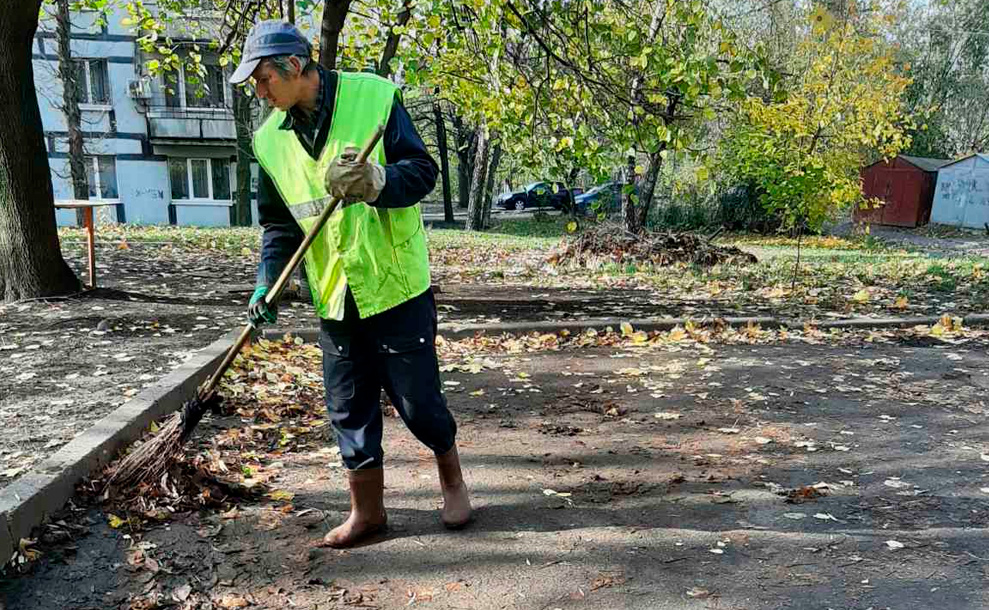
(380, 252)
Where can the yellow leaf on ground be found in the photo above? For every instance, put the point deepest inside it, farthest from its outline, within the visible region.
(862, 296)
(640, 337)
(626, 329)
(901, 303)
(281, 495)
(115, 521)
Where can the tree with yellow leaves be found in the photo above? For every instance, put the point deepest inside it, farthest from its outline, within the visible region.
(841, 104)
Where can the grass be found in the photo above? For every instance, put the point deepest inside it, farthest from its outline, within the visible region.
(832, 270)
(228, 239)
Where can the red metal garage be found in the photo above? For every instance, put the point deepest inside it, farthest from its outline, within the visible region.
(906, 184)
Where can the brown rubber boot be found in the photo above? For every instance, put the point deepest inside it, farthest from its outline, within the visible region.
(456, 511)
(367, 510)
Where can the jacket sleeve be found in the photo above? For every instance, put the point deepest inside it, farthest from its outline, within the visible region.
(282, 235)
(410, 172)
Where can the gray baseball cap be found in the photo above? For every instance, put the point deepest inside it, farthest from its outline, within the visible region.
(266, 39)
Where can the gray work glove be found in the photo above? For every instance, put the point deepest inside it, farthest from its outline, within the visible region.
(352, 181)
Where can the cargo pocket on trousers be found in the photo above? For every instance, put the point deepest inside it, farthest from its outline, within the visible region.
(338, 369)
(402, 344)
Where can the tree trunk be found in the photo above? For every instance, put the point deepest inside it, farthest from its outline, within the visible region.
(475, 211)
(489, 187)
(242, 125)
(391, 43)
(648, 189)
(291, 11)
(70, 105)
(441, 143)
(334, 15)
(629, 217)
(466, 151)
(31, 263)
(571, 178)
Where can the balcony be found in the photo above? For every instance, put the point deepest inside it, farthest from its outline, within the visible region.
(209, 121)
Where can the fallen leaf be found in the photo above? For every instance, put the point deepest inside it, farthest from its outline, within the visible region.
(729, 430)
(894, 545)
(825, 516)
(180, 594)
(698, 593)
(795, 515)
(862, 296)
(562, 494)
(666, 415)
(233, 601)
(24, 547)
(762, 440)
(115, 521)
(281, 495)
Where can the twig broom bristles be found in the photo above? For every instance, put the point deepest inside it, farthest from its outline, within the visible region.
(151, 461)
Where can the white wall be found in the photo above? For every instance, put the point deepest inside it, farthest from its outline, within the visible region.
(961, 197)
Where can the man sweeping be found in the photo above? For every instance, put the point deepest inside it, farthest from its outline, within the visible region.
(368, 269)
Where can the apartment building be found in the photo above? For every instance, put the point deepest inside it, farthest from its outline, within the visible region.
(163, 153)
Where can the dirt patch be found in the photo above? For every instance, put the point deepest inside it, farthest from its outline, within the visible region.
(637, 511)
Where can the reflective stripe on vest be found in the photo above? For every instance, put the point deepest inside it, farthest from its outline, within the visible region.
(379, 252)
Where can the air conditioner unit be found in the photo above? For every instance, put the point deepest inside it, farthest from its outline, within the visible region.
(139, 88)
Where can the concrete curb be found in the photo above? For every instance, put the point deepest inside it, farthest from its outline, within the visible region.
(454, 330)
(29, 501)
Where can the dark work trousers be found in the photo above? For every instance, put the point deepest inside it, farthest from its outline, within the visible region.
(394, 350)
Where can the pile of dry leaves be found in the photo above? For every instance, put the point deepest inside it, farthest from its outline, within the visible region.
(272, 403)
(610, 243)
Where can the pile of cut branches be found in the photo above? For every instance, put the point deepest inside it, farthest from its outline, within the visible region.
(610, 243)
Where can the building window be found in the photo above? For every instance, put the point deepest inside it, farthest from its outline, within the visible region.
(208, 91)
(101, 175)
(93, 81)
(199, 179)
(194, 91)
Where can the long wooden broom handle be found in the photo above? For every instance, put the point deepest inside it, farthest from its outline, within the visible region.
(276, 290)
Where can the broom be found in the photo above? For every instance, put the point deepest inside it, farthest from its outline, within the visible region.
(150, 462)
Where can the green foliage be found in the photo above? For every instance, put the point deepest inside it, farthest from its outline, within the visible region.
(945, 45)
(803, 147)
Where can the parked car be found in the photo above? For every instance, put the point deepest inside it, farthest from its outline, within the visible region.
(607, 195)
(537, 195)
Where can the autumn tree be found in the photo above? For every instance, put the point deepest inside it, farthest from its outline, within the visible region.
(946, 45)
(647, 84)
(841, 104)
